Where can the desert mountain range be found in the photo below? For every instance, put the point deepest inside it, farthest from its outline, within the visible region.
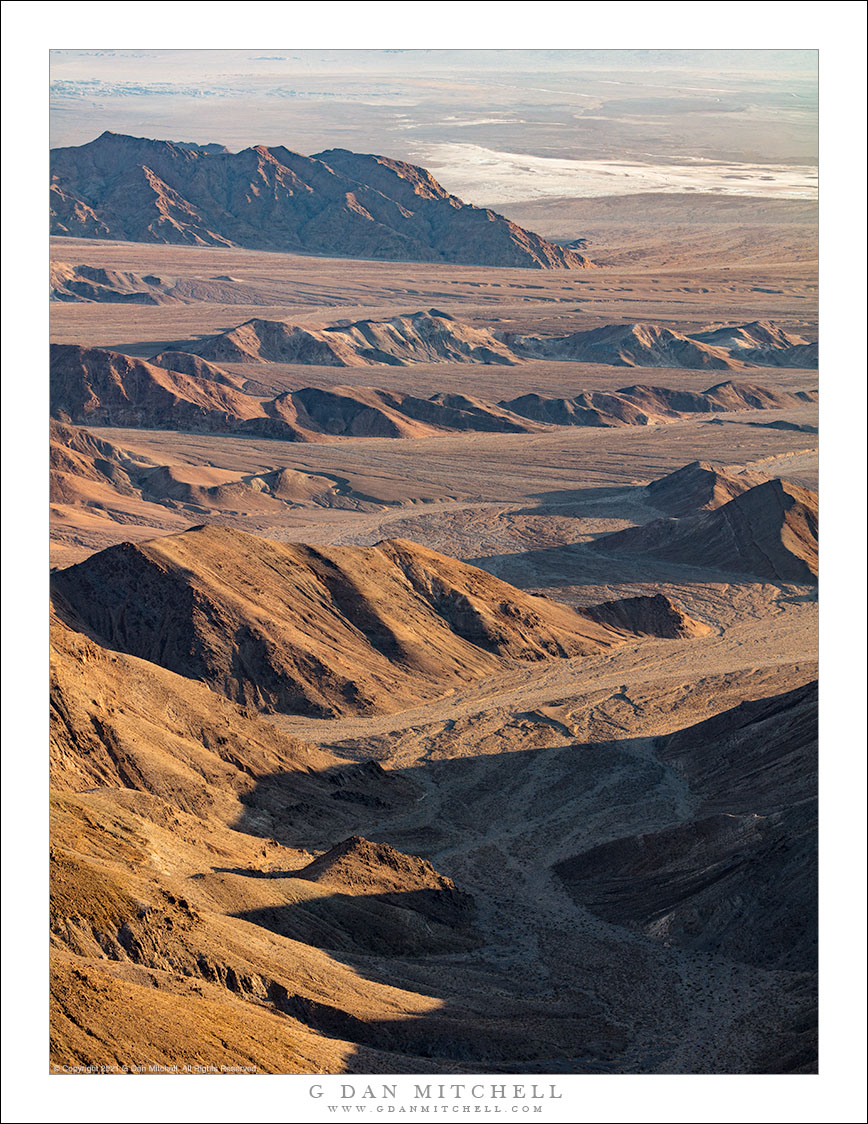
(99, 387)
(742, 521)
(215, 879)
(188, 916)
(113, 482)
(650, 345)
(434, 336)
(422, 337)
(336, 203)
(433, 616)
(219, 883)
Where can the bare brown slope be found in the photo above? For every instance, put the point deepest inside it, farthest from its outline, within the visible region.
(762, 343)
(418, 337)
(177, 918)
(625, 345)
(92, 386)
(699, 486)
(460, 233)
(166, 949)
(95, 285)
(358, 862)
(313, 631)
(648, 616)
(802, 355)
(118, 721)
(366, 411)
(89, 385)
(770, 531)
(757, 335)
(587, 408)
(95, 486)
(98, 1016)
(349, 411)
(426, 911)
(78, 458)
(196, 367)
(740, 395)
(641, 404)
(98, 387)
(433, 336)
(166, 798)
(143, 190)
(122, 723)
(759, 344)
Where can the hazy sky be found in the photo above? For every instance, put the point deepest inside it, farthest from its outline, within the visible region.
(492, 125)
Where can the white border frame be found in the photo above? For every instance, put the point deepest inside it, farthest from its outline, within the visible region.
(838, 31)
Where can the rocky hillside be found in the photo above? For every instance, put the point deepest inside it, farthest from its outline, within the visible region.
(94, 285)
(320, 631)
(433, 336)
(699, 486)
(338, 204)
(760, 344)
(178, 390)
(740, 876)
(770, 531)
(419, 337)
(641, 405)
(88, 385)
(625, 345)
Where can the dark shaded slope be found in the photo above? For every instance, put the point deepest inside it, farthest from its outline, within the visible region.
(739, 878)
(770, 531)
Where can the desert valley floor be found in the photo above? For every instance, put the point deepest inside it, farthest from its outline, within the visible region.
(527, 787)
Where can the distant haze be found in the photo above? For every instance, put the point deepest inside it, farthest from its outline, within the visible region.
(493, 126)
